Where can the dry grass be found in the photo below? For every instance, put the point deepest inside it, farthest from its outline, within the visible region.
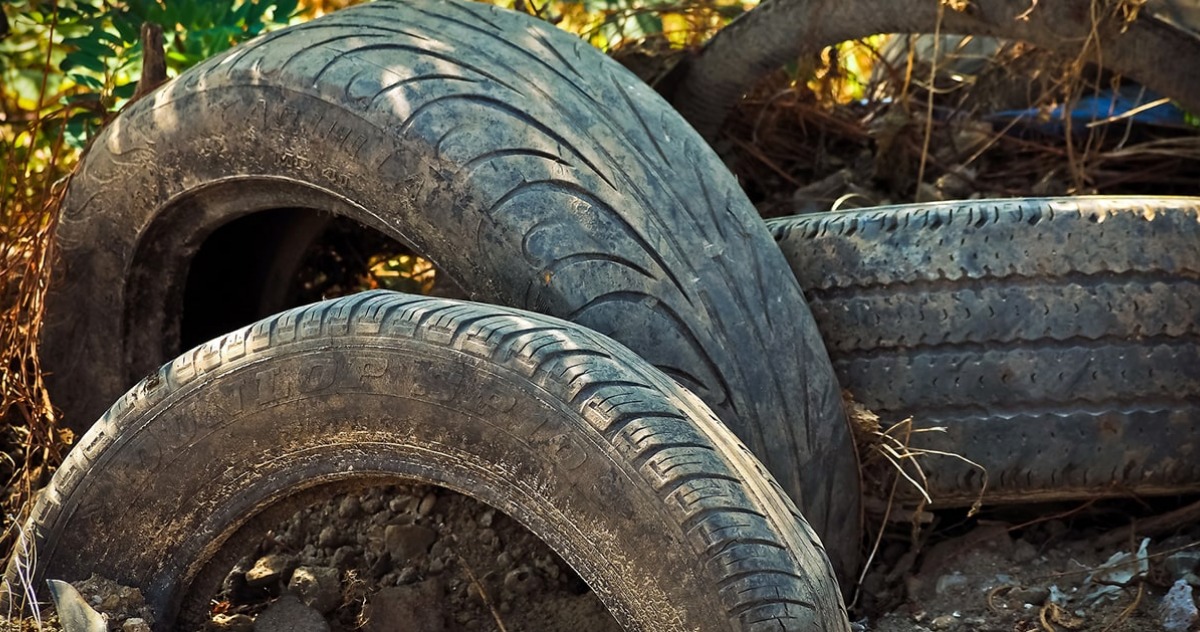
(33, 170)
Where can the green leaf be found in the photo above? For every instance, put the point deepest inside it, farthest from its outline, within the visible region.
(125, 91)
(78, 128)
(649, 23)
(285, 10)
(82, 59)
(91, 44)
(86, 80)
(128, 26)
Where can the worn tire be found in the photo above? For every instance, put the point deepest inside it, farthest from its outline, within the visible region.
(628, 476)
(1057, 340)
(532, 169)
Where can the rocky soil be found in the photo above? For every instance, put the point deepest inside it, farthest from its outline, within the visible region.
(424, 558)
(405, 558)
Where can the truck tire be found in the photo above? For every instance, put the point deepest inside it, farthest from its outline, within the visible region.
(1056, 340)
(533, 170)
(628, 476)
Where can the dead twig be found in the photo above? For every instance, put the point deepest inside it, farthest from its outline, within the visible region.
(1158, 525)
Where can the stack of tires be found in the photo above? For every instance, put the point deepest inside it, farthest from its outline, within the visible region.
(665, 414)
(537, 174)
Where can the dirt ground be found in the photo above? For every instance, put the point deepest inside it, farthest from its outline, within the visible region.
(1058, 574)
(423, 558)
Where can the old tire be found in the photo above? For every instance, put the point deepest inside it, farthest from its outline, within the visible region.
(532, 169)
(628, 476)
(1057, 340)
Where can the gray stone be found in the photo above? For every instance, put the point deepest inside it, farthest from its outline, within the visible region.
(427, 504)
(1181, 563)
(944, 622)
(1178, 611)
(329, 537)
(1023, 552)
(954, 582)
(136, 624)
(401, 608)
(288, 614)
(317, 586)
(270, 569)
(1036, 595)
(521, 580)
(349, 507)
(405, 542)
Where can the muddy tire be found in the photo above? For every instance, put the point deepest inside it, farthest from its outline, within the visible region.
(1057, 340)
(533, 170)
(629, 477)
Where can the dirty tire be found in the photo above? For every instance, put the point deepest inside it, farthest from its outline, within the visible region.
(1057, 340)
(533, 170)
(625, 474)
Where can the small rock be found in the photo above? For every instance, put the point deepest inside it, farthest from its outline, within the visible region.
(1178, 611)
(405, 542)
(1036, 595)
(344, 556)
(329, 537)
(230, 623)
(407, 576)
(114, 600)
(136, 624)
(1023, 552)
(349, 507)
(372, 504)
(270, 569)
(487, 517)
(399, 504)
(427, 504)
(944, 622)
(927, 192)
(411, 607)
(1182, 563)
(287, 614)
(953, 582)
(317, 587)
(520, 580)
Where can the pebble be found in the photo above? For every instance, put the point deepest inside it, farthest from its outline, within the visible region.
(1023, 552)
(520, 580)
(1181, 564)
(1036, 595)
(372, 504)
(1178, 611)
(329, 537)
(135, 624)
(487, 517)
(405, 542)
(955, 581)
(398, 504)
(411, 607)
(318, 587)
(344, 556)
(230, 623)
(269, 569)
(349, 507)
(288, 614)
(427, 505)
(944, 622)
